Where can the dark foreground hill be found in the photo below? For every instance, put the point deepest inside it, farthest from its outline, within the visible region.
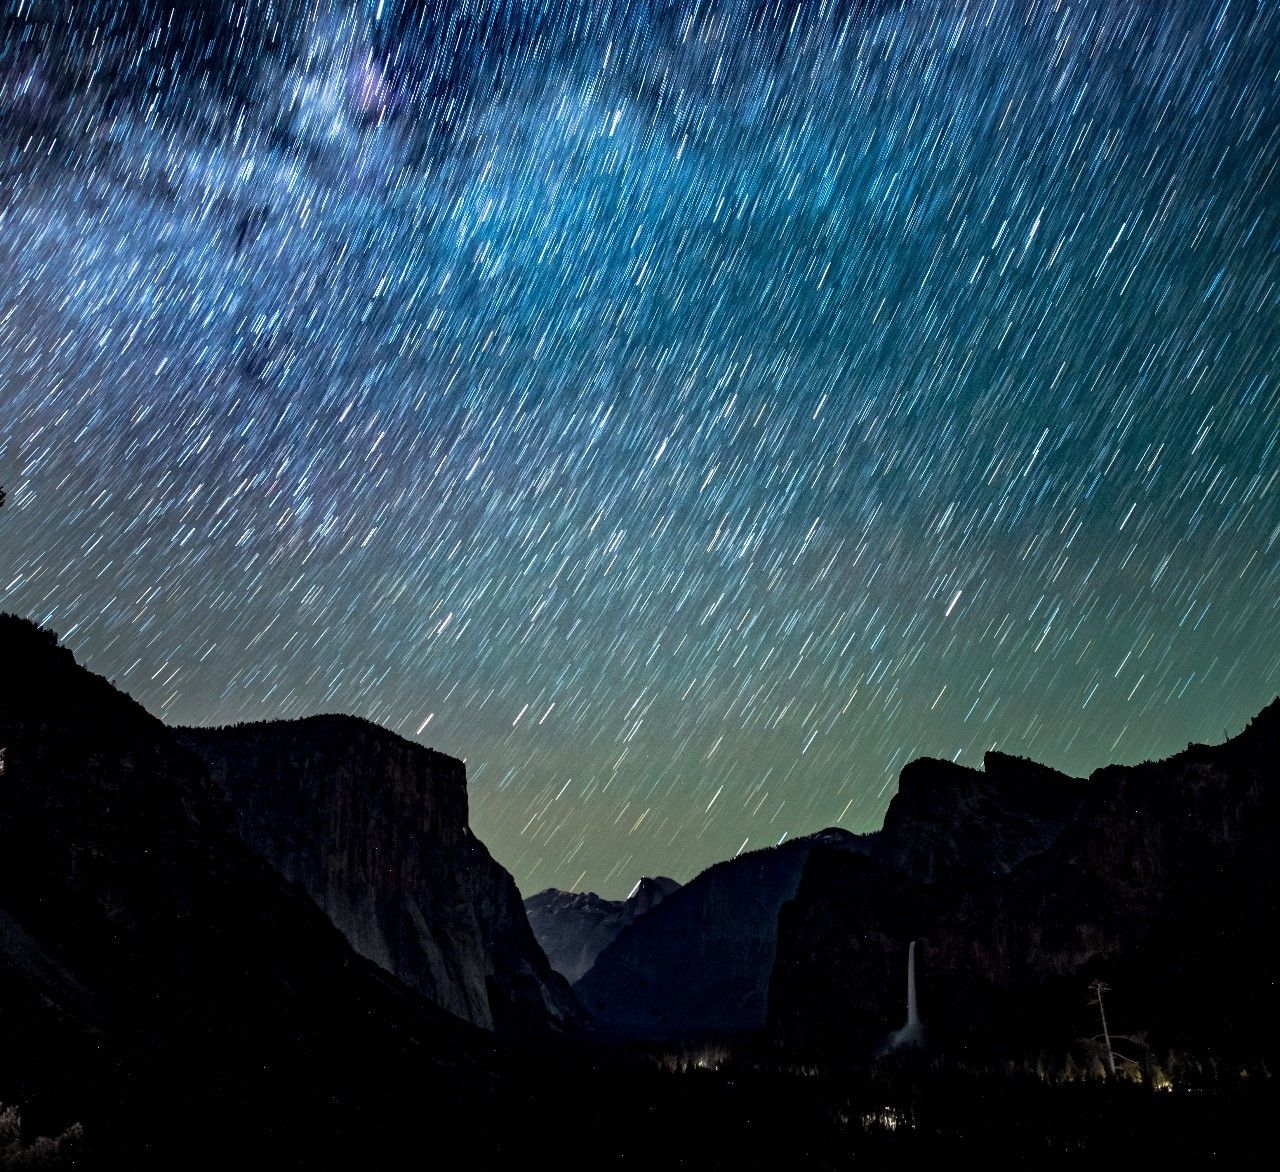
(160, 983)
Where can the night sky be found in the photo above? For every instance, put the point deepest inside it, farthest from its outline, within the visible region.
(686, 411)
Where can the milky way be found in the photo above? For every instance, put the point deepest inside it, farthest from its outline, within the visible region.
(686, 412)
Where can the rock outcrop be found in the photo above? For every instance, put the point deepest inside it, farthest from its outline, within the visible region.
(702, 963)
(159, 981)
(1162, 879)
(574, 927)
(699, 963)
(948, 821)
(374, 829)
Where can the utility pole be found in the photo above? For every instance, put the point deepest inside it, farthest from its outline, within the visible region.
(1100, 987)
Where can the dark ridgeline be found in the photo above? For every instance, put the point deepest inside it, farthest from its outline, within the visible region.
(161, 983)
(1162, 879)
(374, 828)
(574, 927)
(699, 963)
(948, 822)
(1021, 885)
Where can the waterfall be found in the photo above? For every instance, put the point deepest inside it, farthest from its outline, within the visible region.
(911, 1034)
(913, 1015)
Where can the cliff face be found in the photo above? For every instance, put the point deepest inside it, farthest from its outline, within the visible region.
(700, 962)
(949, 821)
(159, 979)
(1164, 881)
(374, 829)
(574, 927)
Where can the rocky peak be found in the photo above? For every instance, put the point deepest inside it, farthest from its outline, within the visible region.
(649, 892)
(1159, 878)
(573, 927)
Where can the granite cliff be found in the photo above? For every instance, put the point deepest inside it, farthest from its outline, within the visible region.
(160, 982)
(374, 829)
(1162, 879)
(948, 821)
(702, 962)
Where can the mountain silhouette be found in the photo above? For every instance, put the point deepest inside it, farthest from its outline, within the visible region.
(159, 980)
(1162, 879)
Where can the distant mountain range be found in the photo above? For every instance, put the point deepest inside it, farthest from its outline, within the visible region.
(1022, 886)
(702, 963)
(574, 927)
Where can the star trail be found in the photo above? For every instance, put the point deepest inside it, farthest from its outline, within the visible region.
(685, 411)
